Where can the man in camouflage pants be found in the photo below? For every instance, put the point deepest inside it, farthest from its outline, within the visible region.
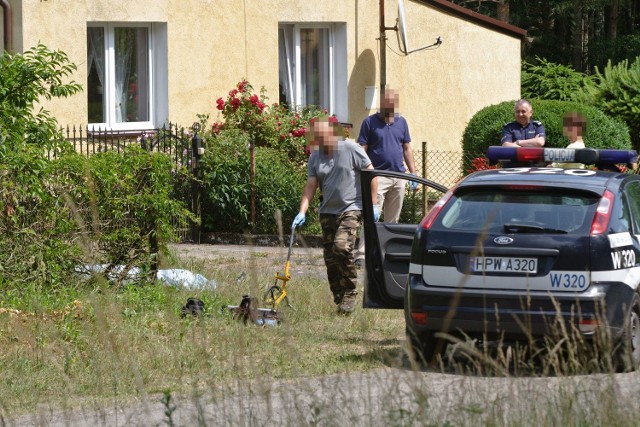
(334, 167)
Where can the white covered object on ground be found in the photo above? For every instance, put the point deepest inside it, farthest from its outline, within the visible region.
(175, 277)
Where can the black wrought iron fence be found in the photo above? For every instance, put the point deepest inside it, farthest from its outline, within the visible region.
(171, 139)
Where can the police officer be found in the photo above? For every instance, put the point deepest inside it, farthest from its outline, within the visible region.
(523, 132)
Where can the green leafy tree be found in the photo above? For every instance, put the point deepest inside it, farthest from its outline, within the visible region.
(546, 80)
(617, 92)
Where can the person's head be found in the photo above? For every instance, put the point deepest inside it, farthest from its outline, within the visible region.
(389, 103)
(574, 126)
(523, 112)
(322, 133)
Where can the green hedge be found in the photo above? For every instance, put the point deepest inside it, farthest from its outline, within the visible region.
(485, 127)
(226, 189)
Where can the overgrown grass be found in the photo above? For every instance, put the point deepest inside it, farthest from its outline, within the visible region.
(127, 342)
(99, 347)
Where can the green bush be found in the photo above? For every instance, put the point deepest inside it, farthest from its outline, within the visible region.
(617, 92)
(547, 80)
(226, 186)
(122, 205)
(33, 216)
(485, 127)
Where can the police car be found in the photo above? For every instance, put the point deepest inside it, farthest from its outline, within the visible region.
(516, 254)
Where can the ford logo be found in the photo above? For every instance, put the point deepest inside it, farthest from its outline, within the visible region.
(503, 240)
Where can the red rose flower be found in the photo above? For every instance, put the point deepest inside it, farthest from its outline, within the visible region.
(220, 103)
(235, 103)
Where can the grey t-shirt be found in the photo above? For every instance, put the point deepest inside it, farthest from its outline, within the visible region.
(338, 177)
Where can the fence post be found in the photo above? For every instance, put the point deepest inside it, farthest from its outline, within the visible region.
(424, 175)
(252, 182)
(196, 152)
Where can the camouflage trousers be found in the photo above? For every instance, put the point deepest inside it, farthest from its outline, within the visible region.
(338, 242)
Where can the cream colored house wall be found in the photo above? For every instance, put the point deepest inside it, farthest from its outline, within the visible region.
(212, 44)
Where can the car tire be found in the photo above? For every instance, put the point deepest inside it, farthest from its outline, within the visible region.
(628, 348)
(424, 348)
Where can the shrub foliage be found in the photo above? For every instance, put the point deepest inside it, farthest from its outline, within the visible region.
(546, 80)
(485, 127)
(226, 189)
(112, 208)
(617, 92)
(277, 135)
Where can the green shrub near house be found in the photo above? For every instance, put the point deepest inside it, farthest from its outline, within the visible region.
(485, 127)
(226, 186)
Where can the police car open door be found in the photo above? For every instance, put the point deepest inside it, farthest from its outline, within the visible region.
(388, 245)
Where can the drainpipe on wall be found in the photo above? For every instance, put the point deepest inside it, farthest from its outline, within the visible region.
(7, 21)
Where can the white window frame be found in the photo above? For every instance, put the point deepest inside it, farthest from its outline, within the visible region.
(157, 77)
(337, 74)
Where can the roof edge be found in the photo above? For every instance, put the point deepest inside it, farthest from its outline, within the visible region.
(478, 18)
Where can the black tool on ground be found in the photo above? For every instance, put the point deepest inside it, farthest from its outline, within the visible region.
(194, 307)
(248, 312)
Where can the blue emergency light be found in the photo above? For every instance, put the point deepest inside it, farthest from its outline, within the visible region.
(587, 156)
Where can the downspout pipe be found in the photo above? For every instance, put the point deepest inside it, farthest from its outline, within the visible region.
(7, 25)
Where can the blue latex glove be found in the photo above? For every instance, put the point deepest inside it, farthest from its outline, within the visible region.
(298, 220)
(413, 185)
(376, 213)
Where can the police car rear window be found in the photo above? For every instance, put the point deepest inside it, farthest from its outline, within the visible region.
(504, 210)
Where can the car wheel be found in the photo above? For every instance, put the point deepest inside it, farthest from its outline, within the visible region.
(628, 352)
(424, 348)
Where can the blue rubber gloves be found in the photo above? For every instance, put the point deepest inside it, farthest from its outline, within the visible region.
(298, 220)
(376, 213)
(413, 185)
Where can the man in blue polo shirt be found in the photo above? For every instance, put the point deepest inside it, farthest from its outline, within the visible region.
(385, 137)
(523, 132)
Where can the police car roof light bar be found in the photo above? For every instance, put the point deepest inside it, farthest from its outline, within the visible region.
(587, 156)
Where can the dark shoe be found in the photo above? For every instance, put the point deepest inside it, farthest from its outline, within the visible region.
(348, 303)
(337, 297)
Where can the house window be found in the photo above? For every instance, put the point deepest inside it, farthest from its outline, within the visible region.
(312, 62)
(121, 75)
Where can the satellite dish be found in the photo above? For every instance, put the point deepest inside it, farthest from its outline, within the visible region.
(402, 28)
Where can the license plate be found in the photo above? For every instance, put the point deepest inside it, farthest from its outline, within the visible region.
(487, 264)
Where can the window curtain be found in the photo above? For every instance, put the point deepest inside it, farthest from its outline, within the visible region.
(125, 45)
(286, 64)
(95, 54)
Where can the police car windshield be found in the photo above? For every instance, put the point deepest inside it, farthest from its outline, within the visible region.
(501, 210)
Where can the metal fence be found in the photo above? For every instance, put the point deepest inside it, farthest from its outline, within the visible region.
(170, 139)
(443, 167)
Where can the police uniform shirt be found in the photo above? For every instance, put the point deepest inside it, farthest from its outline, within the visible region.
(514, 131)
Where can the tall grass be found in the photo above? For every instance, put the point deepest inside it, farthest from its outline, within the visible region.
(126, 357)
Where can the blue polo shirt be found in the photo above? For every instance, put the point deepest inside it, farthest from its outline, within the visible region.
(513, 131)
(385, 141)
